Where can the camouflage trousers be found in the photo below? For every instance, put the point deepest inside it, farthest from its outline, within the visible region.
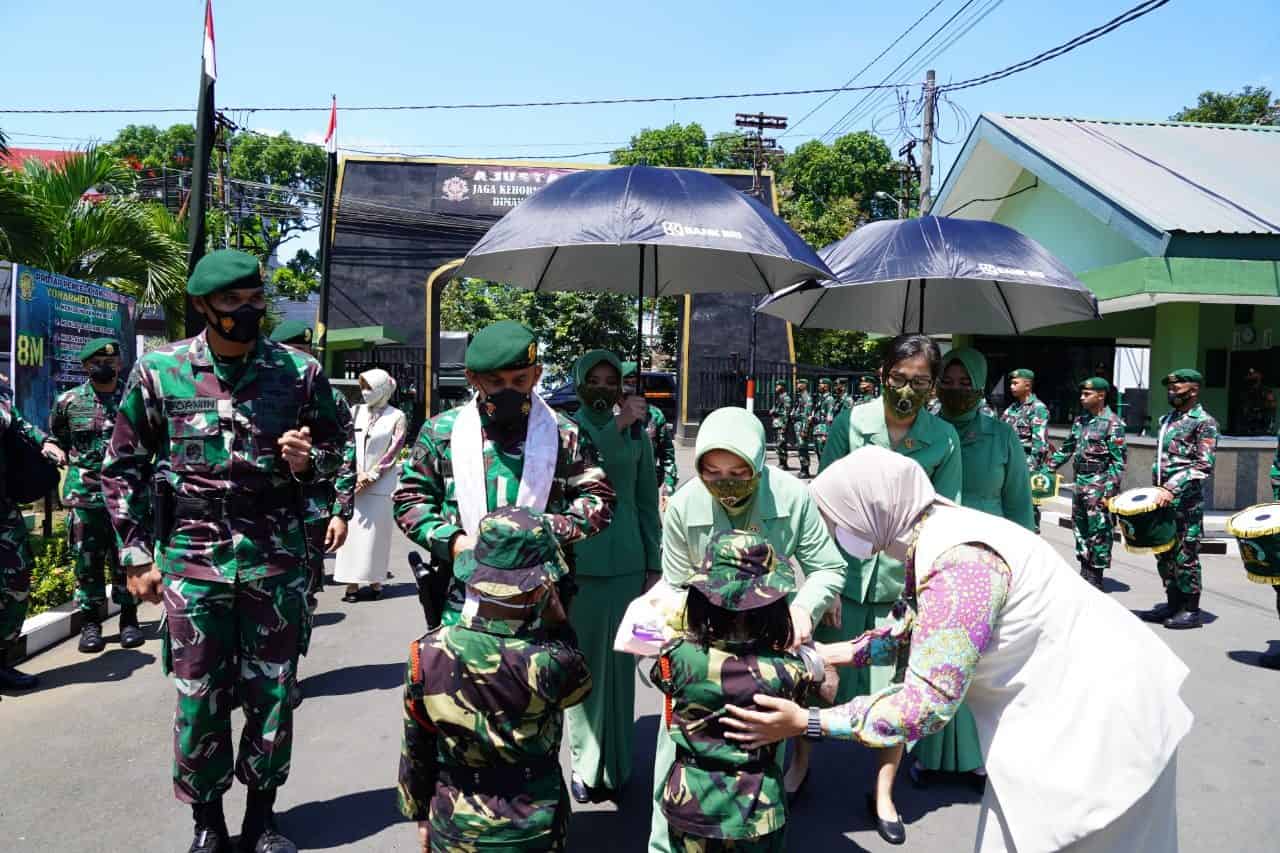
(784, 442)
(1094, 526)
(554, 842)
(93, 545)
(1180, 565)
(15, 575)
(315, 555)
(229, 645)
(774, 842)
(800, 442)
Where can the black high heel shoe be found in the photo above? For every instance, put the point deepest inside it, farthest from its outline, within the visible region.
(892, 831)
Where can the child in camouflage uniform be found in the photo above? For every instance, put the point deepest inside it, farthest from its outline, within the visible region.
(738, 629)
(484, 699)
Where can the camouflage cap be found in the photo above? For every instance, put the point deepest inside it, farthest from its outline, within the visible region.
(225, 269)
(505, 345)
(741, 571)
(516, 551)
(293, 332)
(1185, 374)
(1022, 373)
(105, 346)
(1095, 383)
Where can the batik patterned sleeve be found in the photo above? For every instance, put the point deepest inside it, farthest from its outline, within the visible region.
(881, 646)
(344, 484)
(419, 500)
(419, 760)
(127, 466)
(959, 600)
(589, 495)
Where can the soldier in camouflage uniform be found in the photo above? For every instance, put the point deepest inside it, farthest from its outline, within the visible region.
(802, 419)
(222, 428)
(781, 414)
(1098, 454)
(484, 699)
(80, 423)
(719, 796)
(867, 389)
(824, 409)
(842, 400)
(1185, 454)
(15, 549)
(661, 435)
(1030, 420)
(502, 364)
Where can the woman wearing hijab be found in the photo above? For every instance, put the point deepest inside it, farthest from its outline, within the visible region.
(734, 490)
(380, 433)
(610, 571)
(1076, 704)
(896, 421)
(996, 482)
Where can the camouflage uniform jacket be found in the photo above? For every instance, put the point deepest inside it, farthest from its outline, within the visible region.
(11, 418)
(824, 411)
(716, 789)
(1187, 447)
(802, 416)
(781, 411)
(488, 694)
(81, 424)
(209, 430)
(1030, 420)
(1097, 451)
(426, 508)
(664, 450)
(325, 499)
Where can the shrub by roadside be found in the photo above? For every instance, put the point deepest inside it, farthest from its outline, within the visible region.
(53, 579)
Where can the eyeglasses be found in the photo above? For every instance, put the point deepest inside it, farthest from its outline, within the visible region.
(897, 381)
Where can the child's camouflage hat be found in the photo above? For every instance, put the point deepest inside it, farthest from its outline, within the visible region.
(516, 551)
(742, 572)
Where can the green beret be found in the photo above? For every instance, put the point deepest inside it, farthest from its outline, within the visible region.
(804, 382)
(628, 369)
(225, 269)
(292, 332)
(1185, 374)
(505, 345)
(1095, 383)
(1022, 373)
(106, 346)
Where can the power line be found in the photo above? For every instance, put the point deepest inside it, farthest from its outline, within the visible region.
(1133, 14)
(477, 106)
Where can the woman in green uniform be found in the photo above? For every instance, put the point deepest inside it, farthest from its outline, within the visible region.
(734, 490)
(610, 572)
(995, 481)
(896, 421)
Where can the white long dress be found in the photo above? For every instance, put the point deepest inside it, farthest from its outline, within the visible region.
(363, 559)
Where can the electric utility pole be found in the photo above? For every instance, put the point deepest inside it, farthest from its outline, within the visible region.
(926, 147)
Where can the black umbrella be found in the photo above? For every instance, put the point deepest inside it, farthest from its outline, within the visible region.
(644, 230)
(937, 274)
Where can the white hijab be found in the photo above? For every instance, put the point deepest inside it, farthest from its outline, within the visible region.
(871, 497)
(381, 385)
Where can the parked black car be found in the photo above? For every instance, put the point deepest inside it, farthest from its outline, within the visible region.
(660, 389)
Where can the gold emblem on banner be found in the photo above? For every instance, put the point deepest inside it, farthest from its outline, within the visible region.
(27, 286)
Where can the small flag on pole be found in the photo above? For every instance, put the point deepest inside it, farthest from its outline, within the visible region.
(210, 54)
(331, 136)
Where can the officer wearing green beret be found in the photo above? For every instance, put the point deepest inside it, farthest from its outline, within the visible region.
(1029, 418)
(81, 423)
(505, 447)
(802, 419)
(1098, 454)
(781, 413)
(223, 427)
(1187, 446)
(867, 388)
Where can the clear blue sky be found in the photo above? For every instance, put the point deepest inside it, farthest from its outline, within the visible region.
(147, 52)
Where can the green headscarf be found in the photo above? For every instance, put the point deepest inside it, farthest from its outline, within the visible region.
(975, 364)
(596, 407)
(739, 432)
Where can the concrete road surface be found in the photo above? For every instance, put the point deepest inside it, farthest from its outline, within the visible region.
(86, 756)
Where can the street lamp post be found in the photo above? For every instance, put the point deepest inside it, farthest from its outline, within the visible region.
(881, 194)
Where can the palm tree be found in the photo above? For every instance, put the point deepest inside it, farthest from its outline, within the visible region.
(46, 221)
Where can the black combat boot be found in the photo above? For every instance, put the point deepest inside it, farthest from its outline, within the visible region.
(91, 641)
(258, 833)
(1093, 576)
(130, 634)
(1161, 612)
(13, 679)
(211, 828)
(1188, 615)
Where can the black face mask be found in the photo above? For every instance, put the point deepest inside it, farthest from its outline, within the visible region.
(958, 401)
(1177, 400)
(241, 325)
(507, 408)
(600, 399)
(102, 373)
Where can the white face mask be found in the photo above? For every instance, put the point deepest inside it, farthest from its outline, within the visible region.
(854, 545)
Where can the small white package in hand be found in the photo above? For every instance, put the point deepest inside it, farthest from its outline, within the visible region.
(652, 619)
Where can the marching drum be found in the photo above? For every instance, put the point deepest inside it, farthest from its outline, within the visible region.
(1147, 528)
(1044, 487)
(1257, 531)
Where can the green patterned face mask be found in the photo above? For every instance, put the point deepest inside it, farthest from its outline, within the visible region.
(905, 401)
(732, 494)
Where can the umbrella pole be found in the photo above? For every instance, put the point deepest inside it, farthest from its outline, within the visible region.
(640, 327)
(923, 283)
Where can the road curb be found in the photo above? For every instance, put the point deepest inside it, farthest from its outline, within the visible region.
(50, 628)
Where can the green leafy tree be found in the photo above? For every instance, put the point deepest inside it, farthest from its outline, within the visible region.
(682, 145)
(1251, 105)
(145, 146)
(298, 278)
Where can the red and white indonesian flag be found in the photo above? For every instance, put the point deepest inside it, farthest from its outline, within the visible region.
(331, 135)
(210, 54)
